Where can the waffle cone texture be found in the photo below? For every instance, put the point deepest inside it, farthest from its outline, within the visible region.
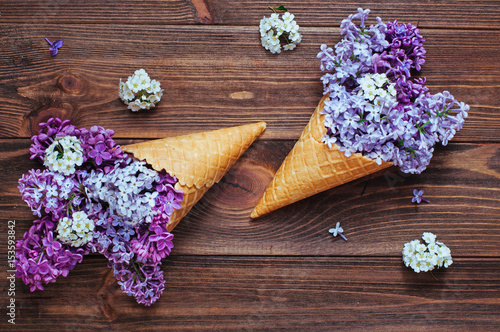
(312, 167)
(197, 160)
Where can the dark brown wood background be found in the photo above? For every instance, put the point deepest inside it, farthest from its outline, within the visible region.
(284, 270)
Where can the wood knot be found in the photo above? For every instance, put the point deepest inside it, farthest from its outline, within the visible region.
(69, 84)
(36, 117)
(202, 13)
(241, 187)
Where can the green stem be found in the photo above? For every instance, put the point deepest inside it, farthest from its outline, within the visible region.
(137, 272)
(285, 35)
(60, 151)
(362, 120)
(281, 7)
(421, 128)
(444, 113)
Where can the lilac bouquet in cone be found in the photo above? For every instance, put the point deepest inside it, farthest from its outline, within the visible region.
(94, 197)
(376, 112)
(377, 105)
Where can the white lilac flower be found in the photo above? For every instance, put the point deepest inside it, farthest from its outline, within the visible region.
(426, 257)
(276, 31)
(377, 89)
(77, 230)
(140, 91)
(64, 154)
(127, 191)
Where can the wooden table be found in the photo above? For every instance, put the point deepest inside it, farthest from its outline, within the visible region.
(284, 270)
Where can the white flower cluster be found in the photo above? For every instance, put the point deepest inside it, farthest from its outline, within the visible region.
(377, 89)
(63, 155)
(128, 191)
(426, 257)
(274, 31)
(140, 91)
(76, 231)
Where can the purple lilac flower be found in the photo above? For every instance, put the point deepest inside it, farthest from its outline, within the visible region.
(54, 46)
(98, 144)
(51, 247)
(40, 259)
(99, 153)
(141, 280)
(152, 243)
(49, 130)
(402, 130)
(47, 192)
(418, 196)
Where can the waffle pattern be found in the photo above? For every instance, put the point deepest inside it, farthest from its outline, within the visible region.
(197, 160)
(191, 196)
(312, 167)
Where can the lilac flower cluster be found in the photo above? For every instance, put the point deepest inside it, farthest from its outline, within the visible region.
(99, 148)
(40, 258)
(47, 192)
(111, 203)
(376, 106)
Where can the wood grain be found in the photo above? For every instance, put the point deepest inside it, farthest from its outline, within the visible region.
(266, 293)
(462, 183)
(448, 14)
(242, 84)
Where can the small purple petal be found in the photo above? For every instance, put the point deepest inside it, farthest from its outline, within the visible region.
(53, 51)
(58, 43)
(93, 153)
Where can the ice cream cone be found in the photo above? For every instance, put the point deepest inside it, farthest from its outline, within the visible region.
(197, 160)
(312, 167)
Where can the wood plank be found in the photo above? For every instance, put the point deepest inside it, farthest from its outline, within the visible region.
(481, 14)
(101, 12)
(242, 293)
(243, 84)
(462, 183)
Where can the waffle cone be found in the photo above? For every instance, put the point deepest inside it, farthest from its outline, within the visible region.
(197, 160)
(312, 167)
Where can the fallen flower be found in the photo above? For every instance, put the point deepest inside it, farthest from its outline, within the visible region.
(426, 257)
(140, 91)
(54, 46)
(418, 198)
(337, 231)
(275, 31)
